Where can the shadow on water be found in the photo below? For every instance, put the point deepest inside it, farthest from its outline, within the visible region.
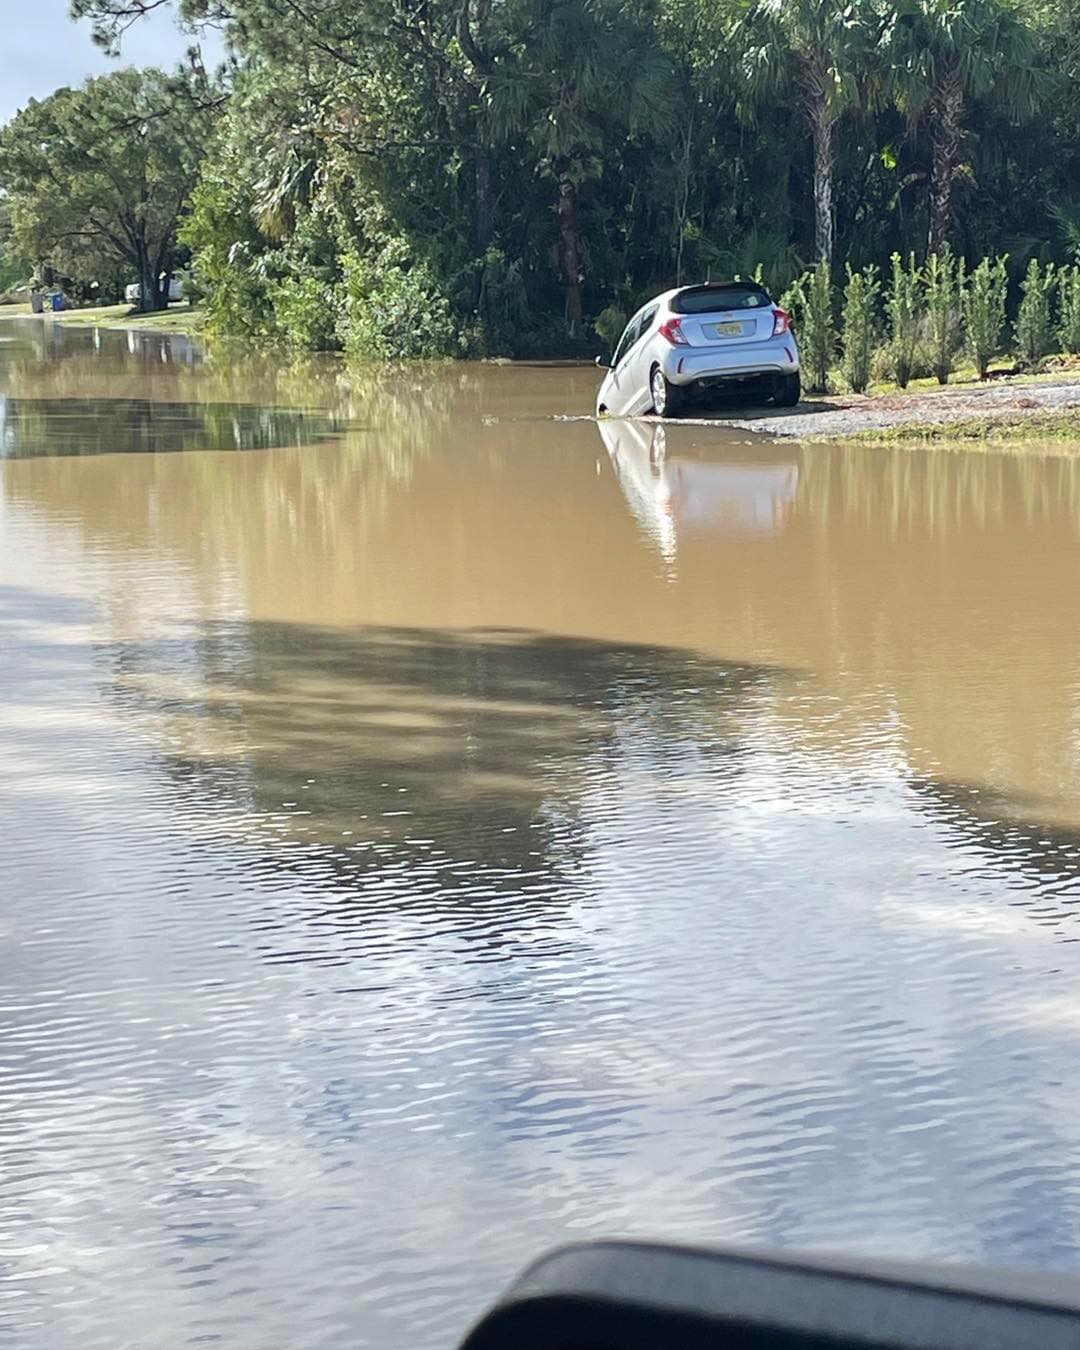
(429, 769)
(1007, 828)
(31, 428)
(459, 761)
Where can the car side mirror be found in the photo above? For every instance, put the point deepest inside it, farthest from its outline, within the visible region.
(603, 362)
(635, 1296)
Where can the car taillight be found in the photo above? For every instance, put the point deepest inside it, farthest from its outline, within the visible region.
(672, 332)
(781, 322)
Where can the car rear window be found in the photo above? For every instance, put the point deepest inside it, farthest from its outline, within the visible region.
(707, 299)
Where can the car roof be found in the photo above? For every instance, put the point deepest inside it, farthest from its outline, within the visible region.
(749, 283)
(665, 297)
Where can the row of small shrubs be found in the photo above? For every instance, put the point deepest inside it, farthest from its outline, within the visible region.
(919, 319)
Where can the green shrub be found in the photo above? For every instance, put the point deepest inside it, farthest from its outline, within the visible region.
(810, 301)
(304, 312)
(1069, 308)
(902, 307)
(13, 270)
(504, 301)
(860, 325)
(228, 269)
(944, 277)
(609, 325)
(984, 311)
(494, 288)
(395, 312)
(883, 366)
(1035, 319)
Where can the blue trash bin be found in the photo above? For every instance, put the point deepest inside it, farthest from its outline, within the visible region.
(58, 302)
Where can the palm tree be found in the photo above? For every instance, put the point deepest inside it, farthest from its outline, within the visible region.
(818, 51)
(941, 54)
(582, 78)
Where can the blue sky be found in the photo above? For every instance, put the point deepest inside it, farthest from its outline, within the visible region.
(43, 49)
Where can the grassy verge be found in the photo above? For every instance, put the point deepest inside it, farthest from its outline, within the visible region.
(1015, 429)
(961, 376)
(1063, 369)
(176, 319)
(1055, 367)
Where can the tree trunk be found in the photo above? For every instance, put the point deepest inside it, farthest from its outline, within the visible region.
(682, 203)
(822, 121)
(153, 293)
(570, 256)
(468, 26)
(148, 282)
(947, 112)
(483, 197)
(154, 279)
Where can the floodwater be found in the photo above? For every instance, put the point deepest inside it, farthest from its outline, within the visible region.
(436, 828)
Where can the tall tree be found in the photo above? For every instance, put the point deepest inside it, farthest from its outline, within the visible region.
(13, 267)
(941, 54)
(453, 44)
(101, 175)
(818, 51)
(582, 78)
(537, 157)
(111, 19)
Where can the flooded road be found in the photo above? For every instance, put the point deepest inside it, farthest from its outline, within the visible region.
(437, 828)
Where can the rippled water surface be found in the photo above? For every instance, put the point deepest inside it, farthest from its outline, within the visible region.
(448, 829)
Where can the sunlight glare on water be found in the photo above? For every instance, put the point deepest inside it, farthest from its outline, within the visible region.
(445, 829)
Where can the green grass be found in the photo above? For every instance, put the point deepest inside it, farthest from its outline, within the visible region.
(963, 375)
(1014, 429)
(176, 319)
(966, 376)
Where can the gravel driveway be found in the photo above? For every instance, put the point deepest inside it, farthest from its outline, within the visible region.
(848, 414)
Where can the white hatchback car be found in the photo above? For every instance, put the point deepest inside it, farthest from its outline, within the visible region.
(698, 338)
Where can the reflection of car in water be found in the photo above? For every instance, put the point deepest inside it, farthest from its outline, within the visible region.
(675, 487)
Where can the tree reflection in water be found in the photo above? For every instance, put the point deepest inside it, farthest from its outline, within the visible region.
(83, 426)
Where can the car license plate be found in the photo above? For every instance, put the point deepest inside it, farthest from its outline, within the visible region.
(729, 330)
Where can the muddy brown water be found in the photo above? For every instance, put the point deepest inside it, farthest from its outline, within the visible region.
(437, 828)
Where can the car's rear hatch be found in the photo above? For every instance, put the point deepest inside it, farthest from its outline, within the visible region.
(723, 315)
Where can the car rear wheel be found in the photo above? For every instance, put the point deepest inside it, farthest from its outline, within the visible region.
(667, 398)
(787, 390)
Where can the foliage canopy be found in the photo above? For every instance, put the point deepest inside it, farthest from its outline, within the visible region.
(98, 178)
(513, 169)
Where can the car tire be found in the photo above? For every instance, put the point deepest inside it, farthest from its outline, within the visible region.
(787, 390)
(667, 398)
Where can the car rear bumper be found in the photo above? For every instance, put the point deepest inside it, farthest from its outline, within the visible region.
(686, 365)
